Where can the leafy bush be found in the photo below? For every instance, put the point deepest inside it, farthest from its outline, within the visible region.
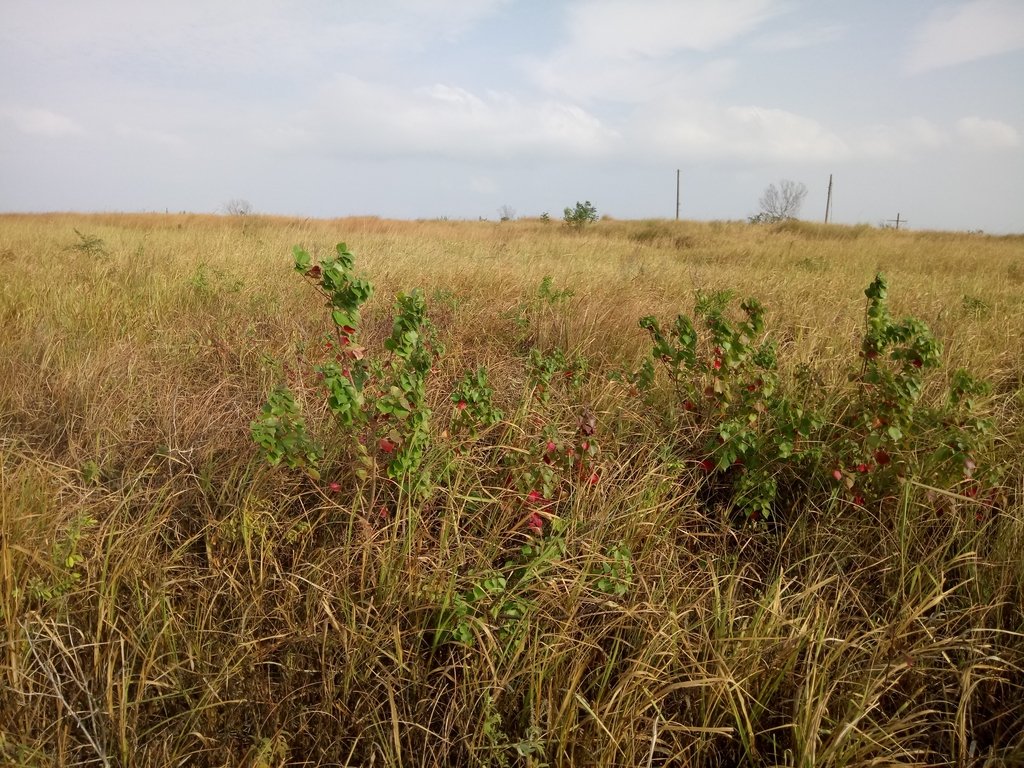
(379, 402)
(473, 408)
(581, 215)
(765, 444)
(90, 245)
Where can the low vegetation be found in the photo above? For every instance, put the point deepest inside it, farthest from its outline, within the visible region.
(482, 494)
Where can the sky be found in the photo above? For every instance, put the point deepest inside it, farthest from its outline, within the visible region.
(458, 108)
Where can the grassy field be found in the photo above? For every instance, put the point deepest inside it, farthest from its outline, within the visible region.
(170, 598)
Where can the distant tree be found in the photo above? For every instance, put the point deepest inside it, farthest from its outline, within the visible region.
(583, 214)
(238, 207)
(507, 213)
(780, 203)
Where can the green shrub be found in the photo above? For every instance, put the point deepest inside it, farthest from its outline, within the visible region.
(582, 214)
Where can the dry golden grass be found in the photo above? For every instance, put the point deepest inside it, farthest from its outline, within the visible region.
(168, 599)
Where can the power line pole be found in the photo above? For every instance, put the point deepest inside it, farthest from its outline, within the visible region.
(677, 194)
(897, 221)
(828, 202)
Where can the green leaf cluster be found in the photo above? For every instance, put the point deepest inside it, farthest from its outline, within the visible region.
(281, 433)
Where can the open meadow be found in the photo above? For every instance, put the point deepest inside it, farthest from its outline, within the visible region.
(512, 527)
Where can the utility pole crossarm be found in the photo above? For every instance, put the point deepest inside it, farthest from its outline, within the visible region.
(897, 221)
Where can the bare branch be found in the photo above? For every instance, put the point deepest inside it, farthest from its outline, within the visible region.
(782, 202)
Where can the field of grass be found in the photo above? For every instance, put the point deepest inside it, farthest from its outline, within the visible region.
(167, 597)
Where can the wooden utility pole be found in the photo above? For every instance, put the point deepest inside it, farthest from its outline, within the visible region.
(677, 194)
(897, 221)
(828, 202)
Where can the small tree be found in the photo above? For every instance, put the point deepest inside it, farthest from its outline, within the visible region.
(583, 214)
(238, 207)
(780, 203)
(507, 213)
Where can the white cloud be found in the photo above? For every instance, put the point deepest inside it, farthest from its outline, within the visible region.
(356, 117)
(656, 28)
(955, 34)
(903, 138)
(750, 133)
(575, 75)
(988, 134)
(629, 51)
(254, 37)
(918, 136)
(921, 133)
(149, 136)
(450, 19)
(706, 131)
(799, 37)
(352, 115)
(41, 122)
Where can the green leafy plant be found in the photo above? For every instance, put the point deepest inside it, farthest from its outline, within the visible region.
(379, 401)
(65, 567)
(502, 600)
(580, 215)
(546, 368)
(91, 245)
(404, 426)
(975, 307)
(895, 355)
(893, 435)
(614, 575)
(548, 294)
(532, 311)
(473, 409)
(722, 377)
(344, 378)
(555, 465)
(281, 433)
